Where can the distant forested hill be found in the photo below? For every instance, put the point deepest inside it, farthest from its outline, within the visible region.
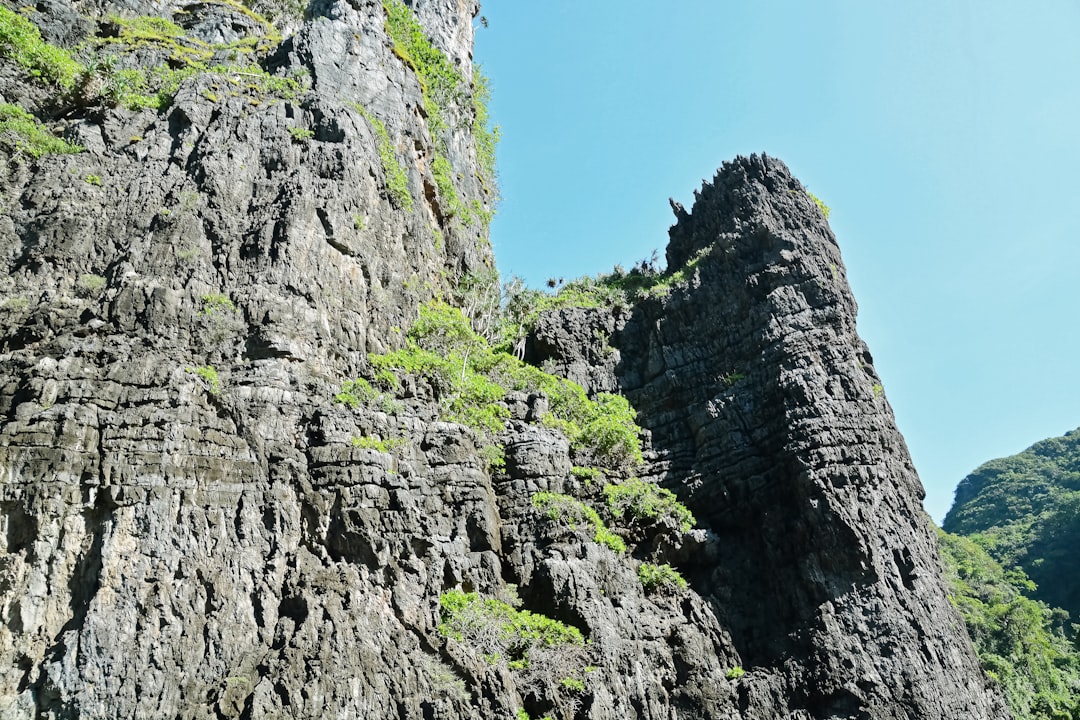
(1010, 553)
(1025, 511)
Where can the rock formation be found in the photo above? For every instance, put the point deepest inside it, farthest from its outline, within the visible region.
(194, 528)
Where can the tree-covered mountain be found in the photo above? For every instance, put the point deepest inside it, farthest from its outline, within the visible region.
(1008, 549)
(1022, 643)
(1025, 511)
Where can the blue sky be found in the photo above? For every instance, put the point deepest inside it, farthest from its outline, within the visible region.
(944, 136)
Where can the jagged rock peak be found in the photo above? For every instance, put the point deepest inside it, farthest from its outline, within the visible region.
(198, 520)
(746, 193)
(768, 420)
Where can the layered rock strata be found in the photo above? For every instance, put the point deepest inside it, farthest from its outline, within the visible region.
(191, 529)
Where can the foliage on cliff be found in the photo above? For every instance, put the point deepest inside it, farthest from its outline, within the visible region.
(1025, 511)
(1022, 643)
(470, 380)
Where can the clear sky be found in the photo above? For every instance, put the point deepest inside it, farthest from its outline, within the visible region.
(945, 136)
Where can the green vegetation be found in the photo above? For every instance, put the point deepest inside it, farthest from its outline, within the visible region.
(734, 673)
(660, 578)
(1010, 553)
(588, 474)
(93, 180)
(1025, 511)
(372, 442)
(397, 182)
(22, 133)
(646, 502)
(440, 81)
(486, 136)
(619, 288)
(522, 715)
(574, 513)
(149, 31)
(154, 88)
(822, 206)
(494, 456)
(216, 303)
(453, 206)
(301, 134)
(136, 88)
(1022, 643)
(512, 633)
(359, 392)
(354, 393)
(442, 87)
(210, 375)
(540, 649)
(89, 285)
(471, 381)
(21, 41)
(733, 377)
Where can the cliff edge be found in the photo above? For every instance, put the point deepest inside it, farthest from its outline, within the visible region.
(256, 463)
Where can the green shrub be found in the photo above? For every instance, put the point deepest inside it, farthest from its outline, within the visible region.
(588, 474)
(660, 578)
(210, 375)
(89, 285)
(472, 380)
(619, 288)
(216, 303)
(443, 86)
(541, 651)
(822, 206)
(397, 182)
(440, 81)
(23, 133)
(354, 393)
(644, 501)
(734, 673)
(21, 41)
(486, 136)
(301, 134)
(495, 629)
(575, 513)
(494, 456)
(372, 442)
(452, 203)
(522, 715)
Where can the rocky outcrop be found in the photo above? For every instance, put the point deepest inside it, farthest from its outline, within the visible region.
(194, 528)
(767, 418)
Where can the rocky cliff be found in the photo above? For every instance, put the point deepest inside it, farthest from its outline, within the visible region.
(200, 520)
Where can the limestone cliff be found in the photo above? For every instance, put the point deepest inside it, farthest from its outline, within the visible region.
(194, 528)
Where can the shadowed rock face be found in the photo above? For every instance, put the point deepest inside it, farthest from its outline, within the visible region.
(768, 419)
(181, 544)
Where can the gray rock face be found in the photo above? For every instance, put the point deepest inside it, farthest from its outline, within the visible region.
(190, 527)
(768, 420)
(765, 407)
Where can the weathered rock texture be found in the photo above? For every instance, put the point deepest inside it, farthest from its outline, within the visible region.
(178, 547)
(768, 419)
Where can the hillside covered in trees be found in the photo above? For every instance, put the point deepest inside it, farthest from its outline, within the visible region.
(1009, 550)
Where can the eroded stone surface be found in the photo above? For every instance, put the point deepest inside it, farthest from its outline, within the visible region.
(182, 544)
